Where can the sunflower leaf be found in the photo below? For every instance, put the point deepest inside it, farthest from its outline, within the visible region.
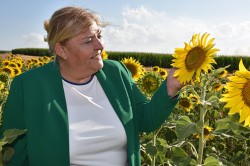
(185, 127)
(230, 127)
(11, 134)
(180, 157)
(211, 161)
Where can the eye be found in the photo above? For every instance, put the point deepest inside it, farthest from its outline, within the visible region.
(89, 39)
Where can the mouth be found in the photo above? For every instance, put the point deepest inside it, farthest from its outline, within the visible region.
(98, 55)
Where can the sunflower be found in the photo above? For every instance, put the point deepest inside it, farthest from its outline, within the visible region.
(29, 62)
(150, 82)
(194, 98)
(156, 68)
(216, 87)
(5, 62)
(163, 73)
(223, 74)
(17, 70)
(185, 103)
(104, 54)
(8, 70)
(207, 130)
(195, 57)
(134, 67)
(238, 92)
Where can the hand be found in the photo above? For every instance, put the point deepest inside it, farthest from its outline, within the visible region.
(173, 84)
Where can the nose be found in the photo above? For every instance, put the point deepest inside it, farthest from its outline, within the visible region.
(99, 44)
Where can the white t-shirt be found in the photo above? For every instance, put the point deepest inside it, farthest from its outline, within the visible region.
(96, 135)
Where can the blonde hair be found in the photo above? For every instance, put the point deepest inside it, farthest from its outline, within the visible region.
(68, 22)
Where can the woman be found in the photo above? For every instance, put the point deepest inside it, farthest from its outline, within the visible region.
(81, 110)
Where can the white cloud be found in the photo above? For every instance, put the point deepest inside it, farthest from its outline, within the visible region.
(145, 30)
(137, 14)
(233, 39)
(33, 40)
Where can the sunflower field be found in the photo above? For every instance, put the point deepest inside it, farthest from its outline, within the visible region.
(210, 124)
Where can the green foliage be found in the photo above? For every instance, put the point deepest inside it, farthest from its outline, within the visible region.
(32, 51)
(4, 51)
(146, 59)
(233, 61)
(205, 135)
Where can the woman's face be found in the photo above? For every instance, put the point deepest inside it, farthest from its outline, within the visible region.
(82, 53)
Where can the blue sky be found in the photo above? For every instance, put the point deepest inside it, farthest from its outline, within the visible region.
(136, 25)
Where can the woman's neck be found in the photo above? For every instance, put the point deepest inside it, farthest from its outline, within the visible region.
(75, 76)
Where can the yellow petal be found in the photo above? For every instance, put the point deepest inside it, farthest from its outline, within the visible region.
(239, 105)
(210, 41)
(232, 101)
(232, 93)
(237, 79)
(241, 66)
(237, 108)
(244, 113)
(204, 38)
(234, 85)
(247, 121)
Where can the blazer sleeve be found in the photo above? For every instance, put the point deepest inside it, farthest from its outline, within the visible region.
(13, 118)
(151, 114)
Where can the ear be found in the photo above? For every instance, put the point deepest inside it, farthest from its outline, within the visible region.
(59, 50)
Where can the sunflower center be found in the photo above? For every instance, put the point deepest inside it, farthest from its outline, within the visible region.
(206, 131)
(185, 103)
(195, 58)
(150, 83)
(246, 93)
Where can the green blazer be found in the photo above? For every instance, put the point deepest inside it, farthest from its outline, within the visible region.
(36, 102)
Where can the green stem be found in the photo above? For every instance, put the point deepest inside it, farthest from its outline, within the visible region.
(202, 120)
(201, 140)
(154, 144)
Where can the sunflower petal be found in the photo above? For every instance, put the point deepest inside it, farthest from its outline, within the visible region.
(241, 66)
(236, 108)
(244, 113)
(247, 121)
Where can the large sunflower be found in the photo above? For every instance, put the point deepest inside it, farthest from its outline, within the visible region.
(134, 67)
(238, 92)
(195, 57)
